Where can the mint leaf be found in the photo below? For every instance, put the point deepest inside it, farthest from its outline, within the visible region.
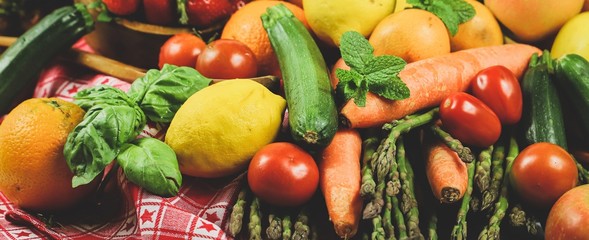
(355, 49)
(451, 12)
(377, 74)
(393, 88)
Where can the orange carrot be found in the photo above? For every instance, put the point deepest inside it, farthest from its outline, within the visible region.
(446, 173)
(431, 80)
(339, 179)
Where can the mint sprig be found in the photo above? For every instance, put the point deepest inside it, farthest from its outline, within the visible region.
(377, 74)
(451, 12)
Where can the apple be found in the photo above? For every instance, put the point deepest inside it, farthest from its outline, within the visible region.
(160, 12)
(534, 20)
(569, 216)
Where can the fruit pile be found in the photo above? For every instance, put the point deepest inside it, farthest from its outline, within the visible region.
(451, 119)
(194, 13)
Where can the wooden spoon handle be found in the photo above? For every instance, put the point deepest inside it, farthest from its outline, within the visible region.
(93, 61)
(121, 70)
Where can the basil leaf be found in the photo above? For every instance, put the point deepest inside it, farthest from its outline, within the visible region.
(112, 121)
(160, 93)
(151, 164)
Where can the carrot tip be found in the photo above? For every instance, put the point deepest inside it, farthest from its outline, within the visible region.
(450, 195)
(344, 121)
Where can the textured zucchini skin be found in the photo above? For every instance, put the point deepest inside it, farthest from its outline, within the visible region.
(542, 118)
(312, 110)
(22, 62)
(572, 74)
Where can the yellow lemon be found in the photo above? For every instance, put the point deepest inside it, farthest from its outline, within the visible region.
(573, 37)
(219, 128)
(329, 19)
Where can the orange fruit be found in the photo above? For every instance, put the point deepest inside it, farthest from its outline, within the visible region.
(245, 25)
(411, 34)
(480, 31)
(33, 171)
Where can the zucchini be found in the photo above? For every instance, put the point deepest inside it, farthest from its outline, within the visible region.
(312, 112)
(572, 75)
(542, 117)
(22, 62)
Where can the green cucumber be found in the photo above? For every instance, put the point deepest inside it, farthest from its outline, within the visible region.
(542, 118)
(22, 62)
(312, 111)
(572, 75)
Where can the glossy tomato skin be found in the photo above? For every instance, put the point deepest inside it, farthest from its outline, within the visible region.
(569, 216)
(227, 59)
(469, 120)
(181, 49)
(499, 89)
(283, 174)
(542, 172)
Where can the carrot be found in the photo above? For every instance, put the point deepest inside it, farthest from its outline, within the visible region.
(339, 180)
(446, 173)
(431, 80)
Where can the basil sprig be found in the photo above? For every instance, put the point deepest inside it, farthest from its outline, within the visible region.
(114, 119)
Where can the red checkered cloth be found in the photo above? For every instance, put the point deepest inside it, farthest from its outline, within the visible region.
(198, 212)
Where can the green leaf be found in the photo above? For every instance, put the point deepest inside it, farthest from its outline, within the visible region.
(104, 16)
(394, 88)
(352, 85)
(451, 12)
(355, 50)
(160, 93)
(368, 72)
(111, 120)
(151, 164)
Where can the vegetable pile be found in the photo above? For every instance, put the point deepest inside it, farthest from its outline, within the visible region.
(486, 142)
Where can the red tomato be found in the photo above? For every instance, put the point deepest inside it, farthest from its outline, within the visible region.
(499, 89)
(569, 216)
(283, 174)
(469, 120)
(226, 59)
(542, 172)
(182, 49)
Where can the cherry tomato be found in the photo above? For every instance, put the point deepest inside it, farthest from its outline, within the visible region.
(226, 59)
(469, 120)
(499, 89)
(182, 49)
(542, 172)
(283, 174)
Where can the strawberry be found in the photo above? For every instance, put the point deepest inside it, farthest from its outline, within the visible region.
(237, 4)
(204, 13)
(122, 7)
(160, 12)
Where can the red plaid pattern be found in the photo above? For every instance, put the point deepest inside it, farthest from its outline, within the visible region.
(199, 211)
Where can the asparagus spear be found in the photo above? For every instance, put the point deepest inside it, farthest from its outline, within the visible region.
(497, 171)
(274, 230)
(464, 153)
(255, 224)
(387, 218)
(286, 227)
(236, 218)
(483, 169)
(383, 160)
(491, 230)
(408, 200)
(520, 219)
(301, 225)
(432, 225)
(369, 146)
(460, 229)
